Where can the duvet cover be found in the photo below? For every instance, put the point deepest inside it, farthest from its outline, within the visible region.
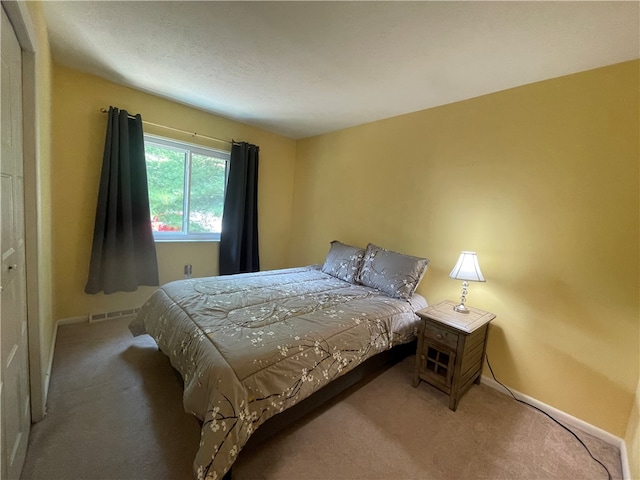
(249, 346)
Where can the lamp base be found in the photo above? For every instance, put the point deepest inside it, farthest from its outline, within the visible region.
(461, 308)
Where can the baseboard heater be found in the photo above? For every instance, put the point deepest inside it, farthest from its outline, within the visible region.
(101, 317)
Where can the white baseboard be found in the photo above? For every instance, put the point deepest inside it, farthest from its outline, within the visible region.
(47, 379)
(572, 421)
(67, 321)
(47, 376)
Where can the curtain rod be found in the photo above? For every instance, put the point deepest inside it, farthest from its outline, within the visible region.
(193, 134)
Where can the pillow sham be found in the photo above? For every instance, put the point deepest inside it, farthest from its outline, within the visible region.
(393, 273)
(343, 261)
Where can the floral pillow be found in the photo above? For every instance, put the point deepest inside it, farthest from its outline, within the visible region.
(343, 261)
(393, 273)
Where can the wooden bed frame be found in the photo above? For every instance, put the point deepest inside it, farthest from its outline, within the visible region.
(356, 378)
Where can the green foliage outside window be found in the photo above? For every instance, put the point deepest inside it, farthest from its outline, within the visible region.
(208, 178)
(166, 181)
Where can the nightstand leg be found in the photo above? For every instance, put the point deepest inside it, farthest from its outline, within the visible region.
(453, 403)
(416, 374)
(419, 357)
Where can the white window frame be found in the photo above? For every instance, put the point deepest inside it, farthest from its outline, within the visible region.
(188, 149)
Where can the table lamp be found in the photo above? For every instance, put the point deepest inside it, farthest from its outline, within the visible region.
(468, 270)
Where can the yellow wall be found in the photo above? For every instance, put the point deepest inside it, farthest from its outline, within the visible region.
(632, 438)
(43, 200)
(541, 181)
(78, 141)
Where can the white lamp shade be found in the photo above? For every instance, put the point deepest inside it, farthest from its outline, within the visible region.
(467, 268)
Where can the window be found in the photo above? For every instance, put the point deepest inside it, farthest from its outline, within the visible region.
(186, 189)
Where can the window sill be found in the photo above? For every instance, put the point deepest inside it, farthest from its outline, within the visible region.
(186, 240)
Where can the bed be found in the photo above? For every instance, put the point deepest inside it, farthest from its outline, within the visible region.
(250, 346)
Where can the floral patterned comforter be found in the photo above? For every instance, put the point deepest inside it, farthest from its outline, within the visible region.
(249, 346)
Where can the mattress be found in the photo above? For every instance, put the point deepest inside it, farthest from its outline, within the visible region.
(249, 346)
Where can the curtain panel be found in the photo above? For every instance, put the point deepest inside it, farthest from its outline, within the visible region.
(239, 236)
(123, 254)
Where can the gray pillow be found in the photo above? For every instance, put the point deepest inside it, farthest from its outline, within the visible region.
(343, 261)
(393, 273)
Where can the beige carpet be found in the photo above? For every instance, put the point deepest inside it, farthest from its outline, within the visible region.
(115, 412)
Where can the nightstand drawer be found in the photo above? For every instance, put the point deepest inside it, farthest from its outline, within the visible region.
(441, 335)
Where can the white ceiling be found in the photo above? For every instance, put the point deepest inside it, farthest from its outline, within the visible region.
(305, 68)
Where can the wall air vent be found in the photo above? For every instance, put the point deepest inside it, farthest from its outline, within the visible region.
(102, 316)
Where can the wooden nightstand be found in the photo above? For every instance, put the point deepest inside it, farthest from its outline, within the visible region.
(451, 348)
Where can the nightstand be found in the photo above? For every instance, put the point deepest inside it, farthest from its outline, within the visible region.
(451, 348)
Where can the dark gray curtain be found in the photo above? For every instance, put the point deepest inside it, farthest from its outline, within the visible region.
(239, 236)
(124, 253)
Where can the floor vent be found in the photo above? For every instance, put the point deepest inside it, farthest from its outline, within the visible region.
(100, 317)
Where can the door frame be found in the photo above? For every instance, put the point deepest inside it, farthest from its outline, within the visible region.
(23, 26)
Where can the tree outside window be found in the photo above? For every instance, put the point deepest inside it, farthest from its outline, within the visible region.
(186, 189)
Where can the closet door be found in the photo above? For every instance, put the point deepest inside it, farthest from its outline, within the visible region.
(14, 354)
